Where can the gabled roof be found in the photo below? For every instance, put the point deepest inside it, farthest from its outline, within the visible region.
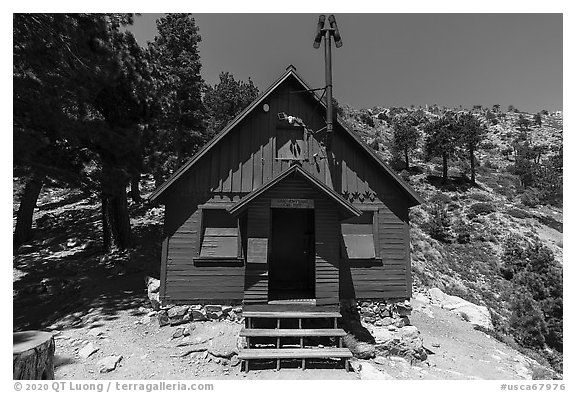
(290, 71)
(330, 194)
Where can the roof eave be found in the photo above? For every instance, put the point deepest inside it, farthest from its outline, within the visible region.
(155, 196)
(242, 204)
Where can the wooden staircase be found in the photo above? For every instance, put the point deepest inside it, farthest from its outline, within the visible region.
(277, 332)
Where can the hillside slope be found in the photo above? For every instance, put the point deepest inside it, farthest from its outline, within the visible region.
(478, 223)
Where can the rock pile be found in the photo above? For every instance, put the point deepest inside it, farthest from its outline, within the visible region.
(177, 315)
(379, 312)
(381, 328)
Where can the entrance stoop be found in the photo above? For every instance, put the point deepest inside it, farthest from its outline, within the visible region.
(293, 332)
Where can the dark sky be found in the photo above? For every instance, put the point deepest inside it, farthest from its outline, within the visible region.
(394, 59)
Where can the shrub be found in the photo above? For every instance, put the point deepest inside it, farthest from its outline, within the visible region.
(481, 208)
(439, 223)
(518, 213)
(405, 175)
(463, 232)
(383, 116)
(527, 321)
(480, 197)
(440, 198)
(490, 165)
(367, 119)
(530, 197)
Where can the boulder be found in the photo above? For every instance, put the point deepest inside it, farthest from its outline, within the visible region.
(163, 319)
(222, 347)
(96, 332)
(405, 342)
(198, 315)
(187, 330)
(470, 312)
(153, 287)
(108, 364)
(179, 332)
(88, 350)
(178, 315)
(213, 311)
(214, 315)
(401, 322)
(403, 309)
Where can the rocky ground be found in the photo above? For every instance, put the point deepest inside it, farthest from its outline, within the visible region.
(131, 345)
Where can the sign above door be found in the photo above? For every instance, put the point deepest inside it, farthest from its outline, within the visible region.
(292, 203)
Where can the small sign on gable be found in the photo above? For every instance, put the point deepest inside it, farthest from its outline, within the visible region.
(292, 203)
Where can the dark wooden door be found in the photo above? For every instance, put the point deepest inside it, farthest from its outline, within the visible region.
(291, 274)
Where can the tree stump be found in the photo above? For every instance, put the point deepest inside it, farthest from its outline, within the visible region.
(33, 355)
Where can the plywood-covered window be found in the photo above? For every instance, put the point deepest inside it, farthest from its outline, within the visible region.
(359, 235)
(220, 235)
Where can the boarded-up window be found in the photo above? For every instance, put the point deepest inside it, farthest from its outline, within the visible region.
(219, 234)
(290, 143)
(358, 235)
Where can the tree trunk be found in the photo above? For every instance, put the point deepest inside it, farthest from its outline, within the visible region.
(23, 230)
(135, 189)
(115, 217)
(406, 158)
(444, 168)
(158, 180)
(33, 355)
(472, 167)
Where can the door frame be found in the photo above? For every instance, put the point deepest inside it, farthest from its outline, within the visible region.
(311, 259)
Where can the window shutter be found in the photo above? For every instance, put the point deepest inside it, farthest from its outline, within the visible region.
(358, 236)
(220, 238)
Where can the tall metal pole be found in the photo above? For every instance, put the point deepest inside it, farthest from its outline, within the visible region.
(329, 116)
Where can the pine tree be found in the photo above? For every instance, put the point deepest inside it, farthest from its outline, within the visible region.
(471, 133)
(81, 95)
(226, 99)
(406, 135)
(442, 139)
(180, 129)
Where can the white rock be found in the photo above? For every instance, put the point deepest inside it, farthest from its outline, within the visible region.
(369, 372)
(88, 350)
(470, 312)
(108, 363)
(95, 332)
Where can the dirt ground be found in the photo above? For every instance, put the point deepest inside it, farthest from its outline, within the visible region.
(149, 351)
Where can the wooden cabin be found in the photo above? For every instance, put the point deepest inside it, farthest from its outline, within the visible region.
(264, 213)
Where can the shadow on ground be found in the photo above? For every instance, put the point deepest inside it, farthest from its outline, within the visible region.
(62, 273)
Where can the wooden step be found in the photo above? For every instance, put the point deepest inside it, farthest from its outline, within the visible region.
(294, 353)
(292, 332)
(291, 314)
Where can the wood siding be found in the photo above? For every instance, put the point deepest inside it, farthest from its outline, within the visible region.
(256, 282)
(244, 160)
(186, 281)
(246, 157)
(385, 278)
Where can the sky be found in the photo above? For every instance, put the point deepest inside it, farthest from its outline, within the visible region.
(393, 59)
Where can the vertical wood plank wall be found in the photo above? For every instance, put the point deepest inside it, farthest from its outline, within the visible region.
(185, 281)
(256, 280)
(244, 160)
